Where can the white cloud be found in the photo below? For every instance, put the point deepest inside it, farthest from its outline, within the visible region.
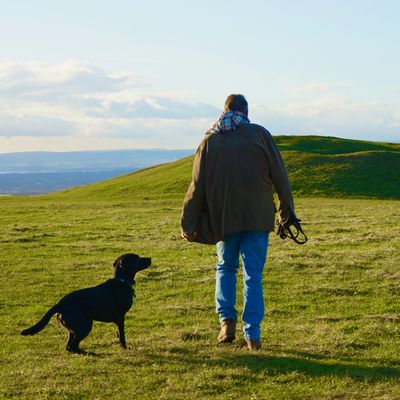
(156, 107)
(80, 99)
(334, 115)
(77, 105)
(49, 82)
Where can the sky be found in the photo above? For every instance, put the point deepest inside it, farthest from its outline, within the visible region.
(95, 75)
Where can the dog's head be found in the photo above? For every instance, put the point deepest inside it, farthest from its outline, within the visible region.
(127, 265)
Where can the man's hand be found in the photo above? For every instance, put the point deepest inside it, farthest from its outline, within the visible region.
(285, 228)
(189, 236)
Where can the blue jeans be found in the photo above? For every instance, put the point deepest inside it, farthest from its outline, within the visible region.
(252, 247)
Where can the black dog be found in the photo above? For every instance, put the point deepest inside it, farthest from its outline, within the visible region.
(107, 302)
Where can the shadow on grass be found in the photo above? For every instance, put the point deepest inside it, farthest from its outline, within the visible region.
(306, 364)
(390, 364)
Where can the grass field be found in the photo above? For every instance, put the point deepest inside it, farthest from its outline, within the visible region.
(332, 325)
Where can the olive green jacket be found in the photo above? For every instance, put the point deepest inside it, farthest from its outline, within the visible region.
(232, 185)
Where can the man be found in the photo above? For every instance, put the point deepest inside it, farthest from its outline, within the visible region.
(230, 203)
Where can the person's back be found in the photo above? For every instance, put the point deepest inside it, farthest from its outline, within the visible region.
(239, 190)
(234, 171)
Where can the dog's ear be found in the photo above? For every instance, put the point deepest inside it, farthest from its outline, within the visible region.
(118, 262)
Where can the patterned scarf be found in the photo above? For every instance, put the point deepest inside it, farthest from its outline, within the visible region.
(228, 122)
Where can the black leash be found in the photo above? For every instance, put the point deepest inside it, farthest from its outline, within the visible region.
(285, 229)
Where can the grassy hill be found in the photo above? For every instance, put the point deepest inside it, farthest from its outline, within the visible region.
(317, 166)
(331, 145)
(165, 180)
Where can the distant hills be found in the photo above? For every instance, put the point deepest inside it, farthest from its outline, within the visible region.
(44, 172)
(317, 166)
(47, 161)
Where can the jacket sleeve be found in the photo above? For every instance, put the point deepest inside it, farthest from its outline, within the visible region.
(279, 178)
(195, 197)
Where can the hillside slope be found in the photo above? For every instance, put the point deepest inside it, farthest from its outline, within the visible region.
(164, 180)
(319, 166)
(362, 174)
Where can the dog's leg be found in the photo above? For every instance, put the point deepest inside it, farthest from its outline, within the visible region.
(78, 326)
(81, 331)
(121, 332)
(70, 340)
(71, 334)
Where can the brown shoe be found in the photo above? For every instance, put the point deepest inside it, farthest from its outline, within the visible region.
(252, 344)
(228, 331)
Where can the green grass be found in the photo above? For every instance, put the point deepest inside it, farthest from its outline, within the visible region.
(331, 328)
(374, 174)
(328, 166)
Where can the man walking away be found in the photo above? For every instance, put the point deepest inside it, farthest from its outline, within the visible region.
(230, 202)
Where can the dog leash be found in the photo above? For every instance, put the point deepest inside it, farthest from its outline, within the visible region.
(285, 229)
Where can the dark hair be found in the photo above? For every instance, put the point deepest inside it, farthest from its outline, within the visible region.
(236, 102)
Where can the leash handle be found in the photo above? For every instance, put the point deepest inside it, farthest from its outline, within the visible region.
(295, 236)
(285, 230)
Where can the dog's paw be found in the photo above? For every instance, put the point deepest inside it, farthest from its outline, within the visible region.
(77, 351)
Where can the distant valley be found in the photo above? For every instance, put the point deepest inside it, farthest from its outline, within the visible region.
(44, 172)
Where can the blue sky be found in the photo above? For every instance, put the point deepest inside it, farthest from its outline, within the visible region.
(133, 74)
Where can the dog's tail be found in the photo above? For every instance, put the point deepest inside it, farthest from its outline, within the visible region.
(33, 330)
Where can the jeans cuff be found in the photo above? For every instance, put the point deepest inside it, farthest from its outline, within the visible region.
(251, 332)
(223, 318)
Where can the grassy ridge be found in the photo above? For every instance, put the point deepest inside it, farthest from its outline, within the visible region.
(317, 166)
(331, 145)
